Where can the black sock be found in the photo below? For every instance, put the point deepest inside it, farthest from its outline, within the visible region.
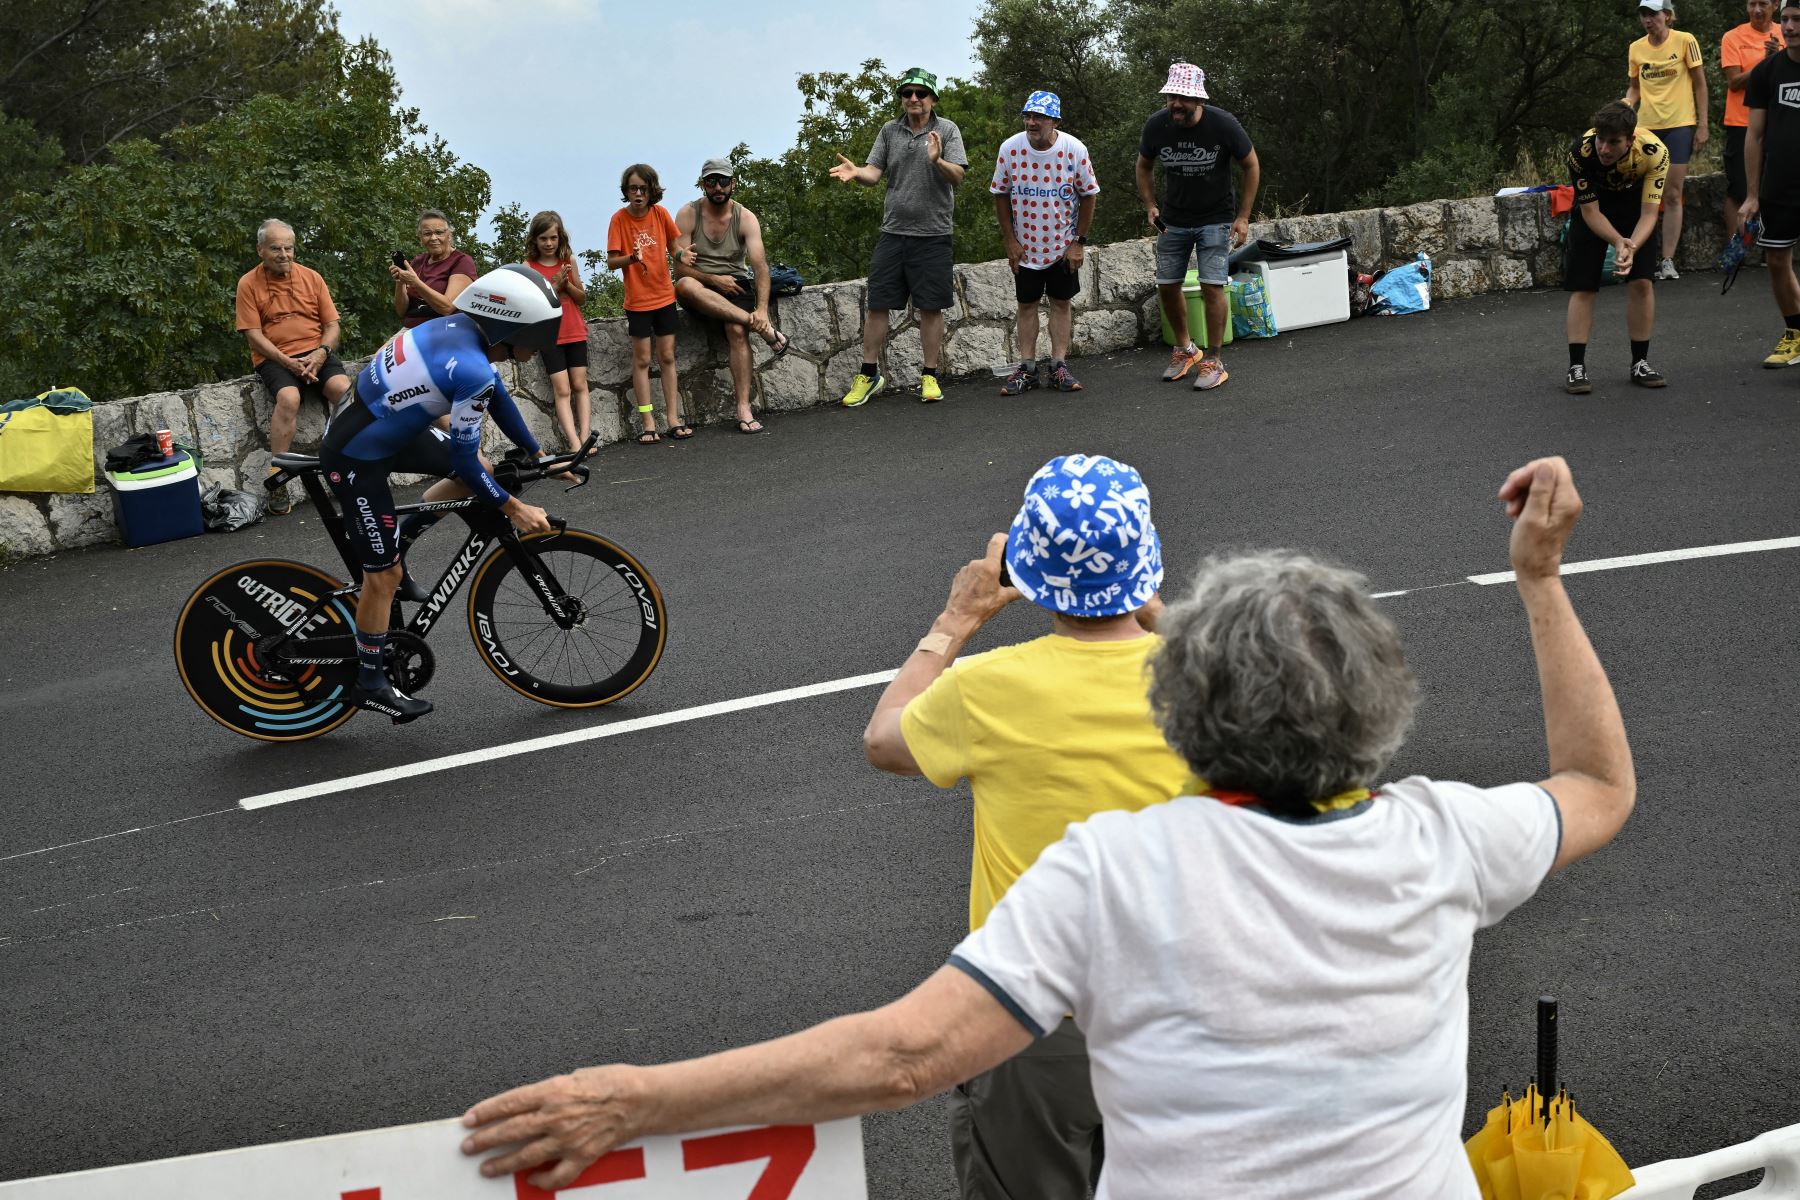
(1640, 350)
(414, 525)
(369, 650)
(1577, 354)
(1793, 320)
(931, 371)
(868, 369)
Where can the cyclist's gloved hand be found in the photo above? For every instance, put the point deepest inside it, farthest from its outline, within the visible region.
(521, 457)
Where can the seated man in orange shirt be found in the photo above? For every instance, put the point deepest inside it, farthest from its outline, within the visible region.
(284, 311)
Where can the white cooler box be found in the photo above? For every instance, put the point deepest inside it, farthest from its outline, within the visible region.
(1311, 290)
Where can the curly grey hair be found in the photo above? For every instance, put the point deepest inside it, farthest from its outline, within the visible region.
(1278, 676)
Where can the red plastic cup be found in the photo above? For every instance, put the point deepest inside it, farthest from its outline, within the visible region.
(165, 443)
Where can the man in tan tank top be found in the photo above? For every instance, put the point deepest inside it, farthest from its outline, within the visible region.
(728, 279)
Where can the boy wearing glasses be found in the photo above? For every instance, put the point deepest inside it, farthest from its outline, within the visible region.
(921, 156)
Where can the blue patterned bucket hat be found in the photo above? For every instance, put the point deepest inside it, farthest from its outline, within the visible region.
(1047, 104)
(1083, 543)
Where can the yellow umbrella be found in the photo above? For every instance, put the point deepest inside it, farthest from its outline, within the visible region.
(1540, 1148)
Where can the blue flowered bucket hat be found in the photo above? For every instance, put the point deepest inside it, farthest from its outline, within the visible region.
(1083, 543)
(1047, 104)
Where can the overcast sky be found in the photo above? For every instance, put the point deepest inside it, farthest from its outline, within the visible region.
(553, 98)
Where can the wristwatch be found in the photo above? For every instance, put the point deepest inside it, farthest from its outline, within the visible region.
(1081, 239)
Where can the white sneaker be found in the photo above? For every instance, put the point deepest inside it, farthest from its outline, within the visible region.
(1666, 270)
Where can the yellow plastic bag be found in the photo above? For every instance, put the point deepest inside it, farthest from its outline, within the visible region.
(47, 443)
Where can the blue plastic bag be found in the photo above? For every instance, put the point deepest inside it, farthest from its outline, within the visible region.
(1402, 290)
(1251, 313)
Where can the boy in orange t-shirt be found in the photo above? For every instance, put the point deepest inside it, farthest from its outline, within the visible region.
(1740, 50)
(638, 244)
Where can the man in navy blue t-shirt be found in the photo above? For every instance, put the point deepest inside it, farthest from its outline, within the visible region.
(1200, 214)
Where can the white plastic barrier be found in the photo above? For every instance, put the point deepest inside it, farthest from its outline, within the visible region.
(424, 1162)
(1776, 1152)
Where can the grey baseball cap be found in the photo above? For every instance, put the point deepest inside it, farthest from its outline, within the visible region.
(718, 166)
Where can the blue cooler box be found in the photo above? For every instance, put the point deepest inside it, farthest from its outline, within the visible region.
(159, 501)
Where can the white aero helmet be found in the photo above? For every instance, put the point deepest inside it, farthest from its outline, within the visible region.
(513, 304)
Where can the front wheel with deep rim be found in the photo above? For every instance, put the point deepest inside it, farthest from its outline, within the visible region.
(618, 624)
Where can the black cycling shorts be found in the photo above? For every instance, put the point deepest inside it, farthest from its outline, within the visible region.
(361, 486)
(1584, 255)
(1059, 280)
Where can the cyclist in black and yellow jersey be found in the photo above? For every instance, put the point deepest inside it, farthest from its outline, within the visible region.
(1619, 172)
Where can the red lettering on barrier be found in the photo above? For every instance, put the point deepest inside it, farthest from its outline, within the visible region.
(361, 1194)
(617, 1167)
(787, 1147)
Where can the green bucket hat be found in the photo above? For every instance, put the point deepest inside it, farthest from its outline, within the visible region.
(920, 77)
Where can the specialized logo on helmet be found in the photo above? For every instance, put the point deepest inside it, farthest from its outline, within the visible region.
(500, 307)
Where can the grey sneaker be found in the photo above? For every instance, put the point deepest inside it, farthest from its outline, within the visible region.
(1210, 374)
(1063, 379)
(1183, 358)
(1022, 380)
(1576, 382)
(1645, 375)
(1666, 269)
(279, 503)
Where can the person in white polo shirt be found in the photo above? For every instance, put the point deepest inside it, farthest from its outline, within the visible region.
(1044, 189)
(1272, 975)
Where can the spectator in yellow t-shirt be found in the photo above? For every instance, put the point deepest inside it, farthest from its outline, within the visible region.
(1048, 733)
(1742, 48)
(1668, 88)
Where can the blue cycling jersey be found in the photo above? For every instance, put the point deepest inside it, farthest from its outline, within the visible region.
(424, 372)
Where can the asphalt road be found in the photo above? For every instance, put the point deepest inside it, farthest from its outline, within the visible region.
(181, 976)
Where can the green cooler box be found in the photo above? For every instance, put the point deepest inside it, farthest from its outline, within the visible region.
(1196, 310)
(159, 501)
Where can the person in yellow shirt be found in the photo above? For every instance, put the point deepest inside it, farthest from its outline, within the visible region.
(1668, 88)
(1048, 733)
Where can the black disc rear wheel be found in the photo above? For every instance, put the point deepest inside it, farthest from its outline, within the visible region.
(619, 623)
(215, 651)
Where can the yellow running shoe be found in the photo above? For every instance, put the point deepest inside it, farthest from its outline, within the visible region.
(929, 390)
(1787, 350)
(862, 387)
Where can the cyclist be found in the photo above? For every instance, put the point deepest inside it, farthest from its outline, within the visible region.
(438, 368)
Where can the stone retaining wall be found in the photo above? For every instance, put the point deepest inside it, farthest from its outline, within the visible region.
(1480, 245)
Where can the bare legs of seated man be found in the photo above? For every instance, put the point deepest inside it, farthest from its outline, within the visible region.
(698, 298)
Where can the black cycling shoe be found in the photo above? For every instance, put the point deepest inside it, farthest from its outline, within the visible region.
(389, 701)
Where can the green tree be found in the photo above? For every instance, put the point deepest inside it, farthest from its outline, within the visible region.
(120, 278)
(91, 73)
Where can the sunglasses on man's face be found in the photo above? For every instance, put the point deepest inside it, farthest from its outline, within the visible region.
(717, 181)
(913, 93)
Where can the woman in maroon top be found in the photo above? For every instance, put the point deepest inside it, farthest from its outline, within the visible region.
(547, 252)
(425, 287)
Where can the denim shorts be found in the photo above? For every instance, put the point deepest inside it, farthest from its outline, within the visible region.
(1211, 244)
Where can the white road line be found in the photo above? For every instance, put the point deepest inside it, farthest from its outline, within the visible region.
(1660, 556)
(573, 737)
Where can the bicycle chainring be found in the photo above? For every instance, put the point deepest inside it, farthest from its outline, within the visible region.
(409, 661)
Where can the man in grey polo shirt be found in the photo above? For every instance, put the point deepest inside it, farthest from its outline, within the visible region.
(922, 158)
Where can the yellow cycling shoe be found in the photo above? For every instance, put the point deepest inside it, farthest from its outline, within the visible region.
(929, 390)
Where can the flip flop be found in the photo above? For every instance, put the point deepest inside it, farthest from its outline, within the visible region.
(682, 433)
(649, 438)
(781, 344)
(751, 426)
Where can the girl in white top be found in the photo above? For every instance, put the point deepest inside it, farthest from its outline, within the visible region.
(1272, 976)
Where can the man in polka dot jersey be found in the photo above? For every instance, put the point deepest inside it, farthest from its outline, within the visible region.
(1044, 189)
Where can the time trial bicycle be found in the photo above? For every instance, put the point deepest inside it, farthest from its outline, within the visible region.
(267, 648)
